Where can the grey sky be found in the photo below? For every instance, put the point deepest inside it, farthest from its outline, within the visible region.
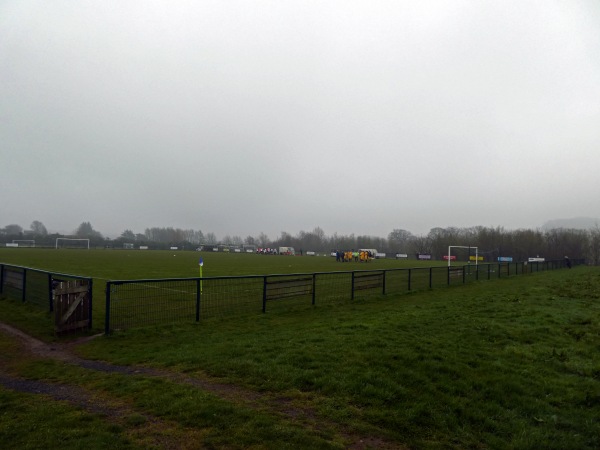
(242, 117)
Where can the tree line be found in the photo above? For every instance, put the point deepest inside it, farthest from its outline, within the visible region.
(491, 242)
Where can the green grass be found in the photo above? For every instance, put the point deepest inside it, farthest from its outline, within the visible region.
(144, 264)
(104, 265)
(28, 423)
(511, 363)
(188, 411)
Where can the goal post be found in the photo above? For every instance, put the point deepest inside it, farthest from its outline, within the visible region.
(450, 247)
(249, 248)
(72, 243)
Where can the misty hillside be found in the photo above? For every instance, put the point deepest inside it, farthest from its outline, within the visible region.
(580, 223)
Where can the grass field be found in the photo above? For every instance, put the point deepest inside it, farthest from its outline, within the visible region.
(104, 265)
(142, 264)
(511, 363)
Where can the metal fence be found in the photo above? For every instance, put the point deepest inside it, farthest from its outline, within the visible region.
(38, 287)
(136, 303)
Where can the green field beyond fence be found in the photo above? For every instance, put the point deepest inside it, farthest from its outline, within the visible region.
(131, 303)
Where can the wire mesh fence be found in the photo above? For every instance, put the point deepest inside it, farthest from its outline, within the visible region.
(13, 282)
(136, 303)
(333, 287)
(38, 289)
(226, 296)
(33, 286)
(55, 292)
(396, 280)
(164, 301)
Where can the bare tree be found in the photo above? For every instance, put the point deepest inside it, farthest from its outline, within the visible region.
(128, 235)
(593, 253)
(263, 240)
(399, 240)
(85, 230)
(441, 238)
(38, 228)
(285, 240)
(12, 230)
(527, 243)
(421, 245)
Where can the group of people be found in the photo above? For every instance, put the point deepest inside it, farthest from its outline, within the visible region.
(352, 255)
(266, 251)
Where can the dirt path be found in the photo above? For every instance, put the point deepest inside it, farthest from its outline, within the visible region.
(120, 411)
(63, 352)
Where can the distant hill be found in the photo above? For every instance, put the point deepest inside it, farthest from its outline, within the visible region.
(578, 223)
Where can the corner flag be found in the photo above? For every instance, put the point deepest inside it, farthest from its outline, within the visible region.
(201, 263)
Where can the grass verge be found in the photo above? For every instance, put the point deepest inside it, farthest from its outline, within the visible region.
(508, 364)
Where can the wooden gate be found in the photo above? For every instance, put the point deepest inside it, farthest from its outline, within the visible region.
(72, 303)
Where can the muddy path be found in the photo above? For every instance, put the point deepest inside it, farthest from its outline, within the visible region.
(117, 411)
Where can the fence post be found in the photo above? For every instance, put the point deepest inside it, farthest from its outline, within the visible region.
(430, 277)
(50, 293)
(24, 284)
(90, 291)
(107, 314)
(198, 300)
(314, 288)
(464, 279)
(383, 287)
(409, 270)
(264, 309)
(448, 276)
(352, 295)
(1, 278)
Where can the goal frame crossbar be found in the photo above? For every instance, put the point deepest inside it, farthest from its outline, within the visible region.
(450, 247)
(73, 239)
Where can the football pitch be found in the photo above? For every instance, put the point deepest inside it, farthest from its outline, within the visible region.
(144, 264)
(105, 265)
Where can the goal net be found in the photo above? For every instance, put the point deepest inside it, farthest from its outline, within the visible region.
(469, 254)
(72, 243)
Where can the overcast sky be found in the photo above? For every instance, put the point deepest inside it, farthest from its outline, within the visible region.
(242, 117)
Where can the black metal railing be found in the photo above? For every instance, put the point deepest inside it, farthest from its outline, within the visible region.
(35, 286)
(135, 303)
